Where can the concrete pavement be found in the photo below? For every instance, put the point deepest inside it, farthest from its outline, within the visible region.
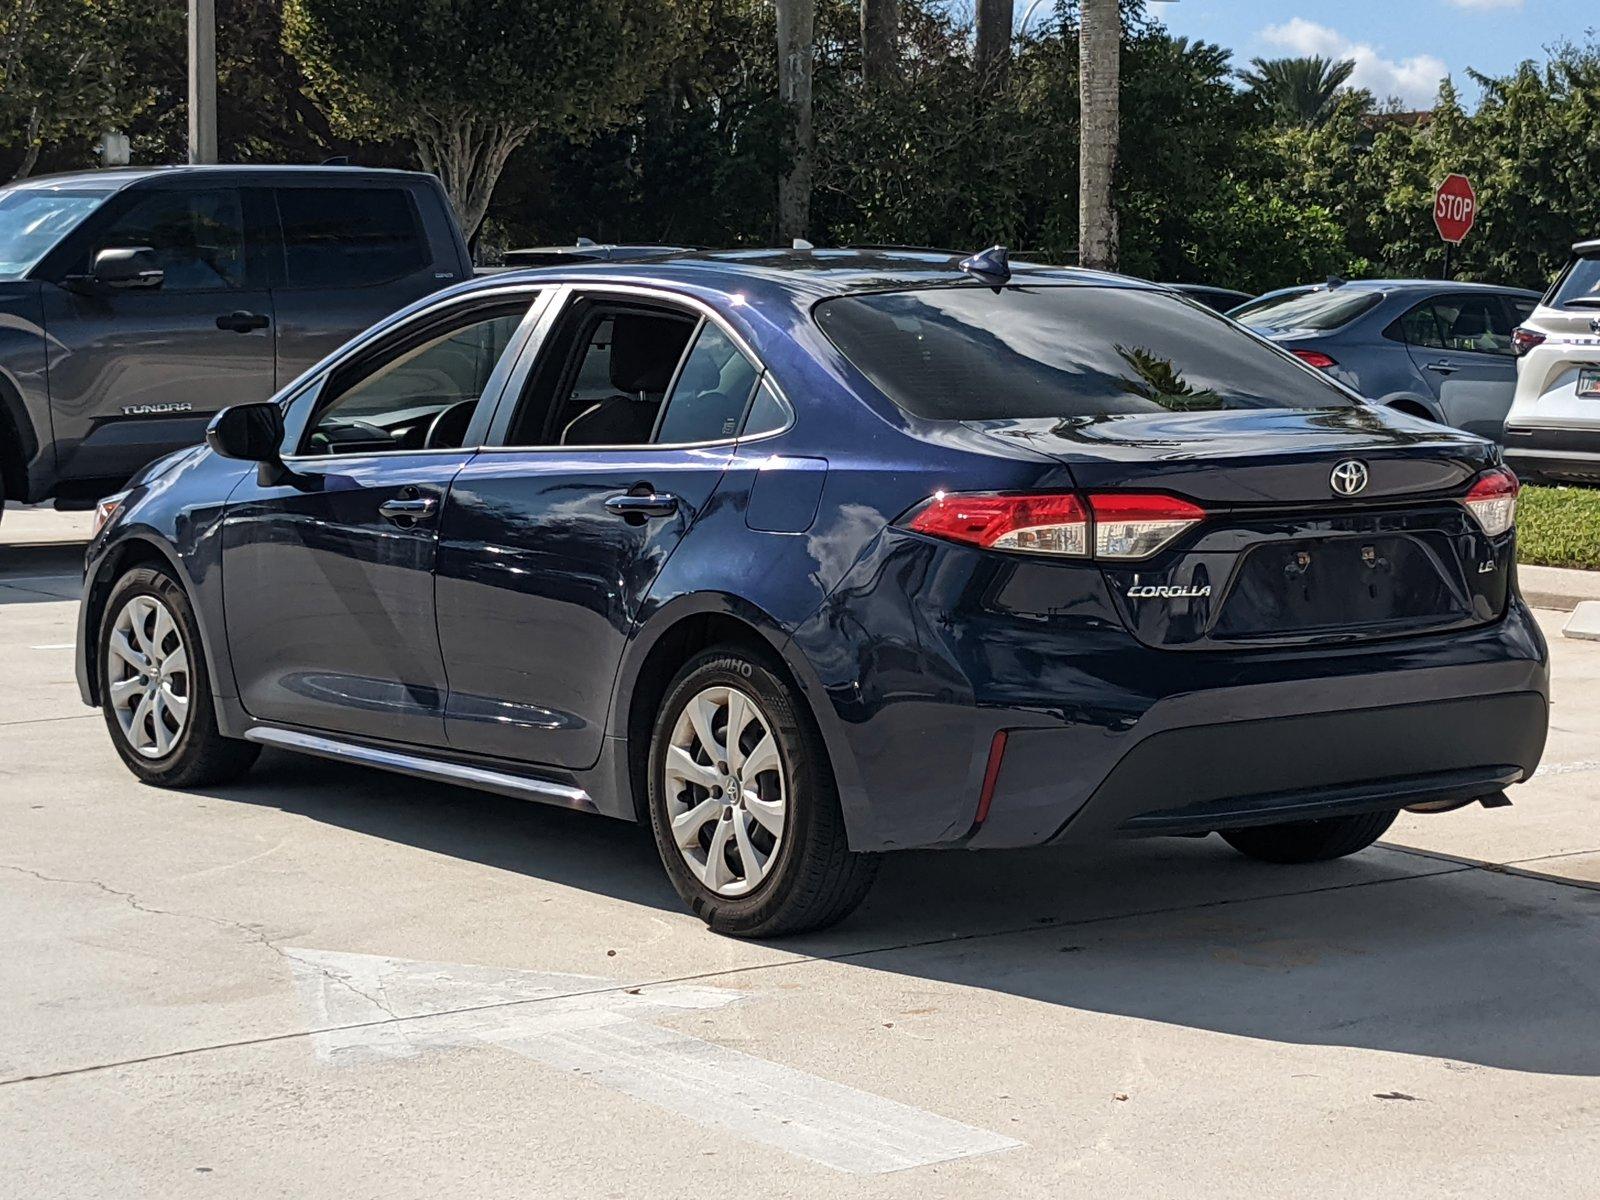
(332, 982)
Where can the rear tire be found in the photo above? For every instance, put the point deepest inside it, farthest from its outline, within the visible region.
(1310, 841)
(749, 828)
(155, 692)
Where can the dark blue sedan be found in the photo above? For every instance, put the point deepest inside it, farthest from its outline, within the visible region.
(1437, 349)
(801, 557)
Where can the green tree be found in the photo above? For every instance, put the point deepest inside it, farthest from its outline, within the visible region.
(1300, 91)
(469, 81)
(60, 70)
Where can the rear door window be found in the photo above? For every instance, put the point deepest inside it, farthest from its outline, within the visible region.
(970, 353)
(711, 391)
(349, 237)
(1473, 324)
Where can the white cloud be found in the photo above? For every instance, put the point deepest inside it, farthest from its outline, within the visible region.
(1415, 80)
(1483, 5)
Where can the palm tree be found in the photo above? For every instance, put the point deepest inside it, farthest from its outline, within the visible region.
(1299, 91)
(796, 55)
(1099, 64)
(992, 44)
(880, 37)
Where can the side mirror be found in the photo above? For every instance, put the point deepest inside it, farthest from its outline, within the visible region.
(252, 433)
(127, 267)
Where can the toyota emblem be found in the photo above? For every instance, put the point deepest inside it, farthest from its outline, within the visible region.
(1349, 478)
(1594, 324)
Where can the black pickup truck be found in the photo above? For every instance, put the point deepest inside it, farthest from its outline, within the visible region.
(135, 303)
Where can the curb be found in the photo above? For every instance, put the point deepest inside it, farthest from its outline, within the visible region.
(1557, 587)
(1584, 624)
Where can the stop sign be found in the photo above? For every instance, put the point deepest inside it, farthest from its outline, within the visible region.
(1455, 207)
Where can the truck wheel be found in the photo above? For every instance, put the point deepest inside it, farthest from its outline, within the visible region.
(1310, 841)
(154, 691)
(743, 803)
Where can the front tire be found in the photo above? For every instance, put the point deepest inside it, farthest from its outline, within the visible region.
(155, 693)
(748, 822)
(1310, 841)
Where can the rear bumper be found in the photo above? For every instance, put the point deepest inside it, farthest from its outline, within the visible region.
(1207, 777)
(1546, 450)
(1106, 736)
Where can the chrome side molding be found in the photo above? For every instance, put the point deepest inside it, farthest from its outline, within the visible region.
(521, 787)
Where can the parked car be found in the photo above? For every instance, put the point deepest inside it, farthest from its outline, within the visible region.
(1553, 430)
(801, 557)
(585, 250)
(134, 304)
(1220, 298)
(1437, 349)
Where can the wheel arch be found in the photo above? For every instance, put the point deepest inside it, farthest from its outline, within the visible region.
(1414, 405)
(127, 554)
(667, 640)
(19, 442)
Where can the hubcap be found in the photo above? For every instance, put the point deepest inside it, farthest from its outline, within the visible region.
(147, 676)
(727, 792)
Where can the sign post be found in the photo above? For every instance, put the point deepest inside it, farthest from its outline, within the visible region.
(1455, 208)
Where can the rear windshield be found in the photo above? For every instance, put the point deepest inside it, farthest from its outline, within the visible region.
(1320, 311)
(1578, 286)
(971, 354)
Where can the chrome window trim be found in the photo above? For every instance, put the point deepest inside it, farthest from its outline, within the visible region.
(564, 294)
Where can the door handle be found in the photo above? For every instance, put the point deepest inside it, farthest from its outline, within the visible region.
(409, 510)
(651, 504)
(1444, 366)
(242, 321)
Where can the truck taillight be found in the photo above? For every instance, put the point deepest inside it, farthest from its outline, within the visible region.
(1119, 526)
(1524, 339)
(1492, 501)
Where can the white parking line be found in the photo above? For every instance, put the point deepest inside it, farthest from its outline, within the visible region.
(57, 646)
(396, 1008)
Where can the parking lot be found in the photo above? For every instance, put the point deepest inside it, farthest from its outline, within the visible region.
(324, 981)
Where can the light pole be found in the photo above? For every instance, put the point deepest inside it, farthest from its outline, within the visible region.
(202, 81)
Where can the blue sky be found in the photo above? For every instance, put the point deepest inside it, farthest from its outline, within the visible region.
(1401, 47)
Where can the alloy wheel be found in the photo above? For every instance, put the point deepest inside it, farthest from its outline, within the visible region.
(727, 790)
(147, 676)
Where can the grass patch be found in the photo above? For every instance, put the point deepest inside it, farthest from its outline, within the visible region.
(1559, 527)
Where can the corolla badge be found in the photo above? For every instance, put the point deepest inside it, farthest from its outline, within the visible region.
(1349, 478)
(1168, 591)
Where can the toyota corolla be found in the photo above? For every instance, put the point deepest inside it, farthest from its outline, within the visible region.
(801, 557)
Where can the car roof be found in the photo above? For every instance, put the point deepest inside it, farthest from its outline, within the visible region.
(116, 178)
(1401, 287)
(803, 276)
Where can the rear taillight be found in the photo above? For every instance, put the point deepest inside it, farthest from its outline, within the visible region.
(1130, 525)
(1315, 358)
(1109, 525)
(1524, 339)
(1055, 523)
(1492, 501)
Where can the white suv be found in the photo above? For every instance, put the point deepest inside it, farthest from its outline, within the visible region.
(1553, 428)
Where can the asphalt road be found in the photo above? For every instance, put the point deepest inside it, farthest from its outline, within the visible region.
(333, 983)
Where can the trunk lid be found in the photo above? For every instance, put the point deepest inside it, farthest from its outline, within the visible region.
(1282, 557)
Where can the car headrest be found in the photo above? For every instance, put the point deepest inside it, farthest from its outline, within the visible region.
(645, 351)
(1470, 323)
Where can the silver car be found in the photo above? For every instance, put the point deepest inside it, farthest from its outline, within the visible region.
(1429, 347)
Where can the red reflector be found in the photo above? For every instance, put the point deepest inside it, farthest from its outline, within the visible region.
(1316, 358)
(997, 751)
(1524, 339)
(1052, 523)
(1492, 501)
